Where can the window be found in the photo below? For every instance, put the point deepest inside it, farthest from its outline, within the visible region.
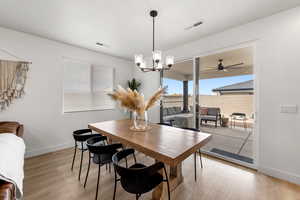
(86, 87)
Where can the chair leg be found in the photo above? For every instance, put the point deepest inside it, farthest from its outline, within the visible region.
(136, 196)
(115, 187)
(134, 158)
(126, 162)
(195, 165)
(75, 148)
(99, 171)
(200, 154)
(88, 170)
(80, 162)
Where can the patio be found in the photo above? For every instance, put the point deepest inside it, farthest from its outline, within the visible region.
(232, 142)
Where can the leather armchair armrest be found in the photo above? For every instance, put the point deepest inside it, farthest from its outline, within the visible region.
(20, 130)
(6, 191)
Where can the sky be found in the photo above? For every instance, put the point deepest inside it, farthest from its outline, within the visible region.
(206, 85)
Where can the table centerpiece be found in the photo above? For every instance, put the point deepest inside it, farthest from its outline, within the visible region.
(134, 101)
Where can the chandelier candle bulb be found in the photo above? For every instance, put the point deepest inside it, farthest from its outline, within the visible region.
(138, 58)
(159, 66)
(143, 65)
(169, 61)
(156, 56)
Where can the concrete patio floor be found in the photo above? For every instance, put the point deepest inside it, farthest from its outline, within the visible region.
(234, 140)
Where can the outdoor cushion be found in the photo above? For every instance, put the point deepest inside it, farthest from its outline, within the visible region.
(172, 111)
(177, 109)
(177, 116)
(181, 121)
(203, 111)
(165, 111)
(168, 118)
(208, 117)
(168, 111)
(213, 111)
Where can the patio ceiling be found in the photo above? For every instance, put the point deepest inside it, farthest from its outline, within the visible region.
(184, 70)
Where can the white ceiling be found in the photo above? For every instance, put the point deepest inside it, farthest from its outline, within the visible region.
(208, 65)
(125, 26)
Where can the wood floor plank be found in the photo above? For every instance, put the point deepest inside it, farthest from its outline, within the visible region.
(49, 177)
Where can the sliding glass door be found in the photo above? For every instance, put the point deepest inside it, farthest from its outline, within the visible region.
(178, 109)
(215, 93)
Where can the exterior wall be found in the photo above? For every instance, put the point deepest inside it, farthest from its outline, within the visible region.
(227, 103)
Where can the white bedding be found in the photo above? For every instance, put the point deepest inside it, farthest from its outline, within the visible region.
(12, 149)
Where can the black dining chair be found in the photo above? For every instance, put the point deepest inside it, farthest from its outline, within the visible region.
(80, 138)
(101, 154)
(138, 178)
(195, 154)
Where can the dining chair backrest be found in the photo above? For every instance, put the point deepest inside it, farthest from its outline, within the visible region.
(123, 171)
(98, 145)
(138, 173)
(138, 178)
(82, 135)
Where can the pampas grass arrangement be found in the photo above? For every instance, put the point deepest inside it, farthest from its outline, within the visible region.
(134, 101)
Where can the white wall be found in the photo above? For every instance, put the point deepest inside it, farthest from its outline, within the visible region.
(277, 51)
(150, 84)
(40, 110)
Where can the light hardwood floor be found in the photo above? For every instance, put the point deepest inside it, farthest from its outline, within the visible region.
(48, 177)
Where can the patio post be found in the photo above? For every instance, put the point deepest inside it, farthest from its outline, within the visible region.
(196, 71)
(185, 96)
(161, 117)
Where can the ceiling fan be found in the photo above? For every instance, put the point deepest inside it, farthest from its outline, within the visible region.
(221, 67)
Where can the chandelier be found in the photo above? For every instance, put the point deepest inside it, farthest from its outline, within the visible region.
(157, 63)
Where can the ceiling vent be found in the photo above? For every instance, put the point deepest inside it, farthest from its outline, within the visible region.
(194, 25)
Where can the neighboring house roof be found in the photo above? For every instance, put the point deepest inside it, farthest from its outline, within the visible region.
(247, 85)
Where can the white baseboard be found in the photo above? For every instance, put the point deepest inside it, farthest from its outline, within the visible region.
(41, 151)
(290, 177)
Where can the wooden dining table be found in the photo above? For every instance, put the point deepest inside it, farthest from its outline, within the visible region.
(166, 144)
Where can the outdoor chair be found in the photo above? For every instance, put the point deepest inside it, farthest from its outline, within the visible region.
(210, 114)
(238, 117)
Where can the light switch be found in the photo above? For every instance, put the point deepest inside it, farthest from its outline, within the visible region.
(289, 109)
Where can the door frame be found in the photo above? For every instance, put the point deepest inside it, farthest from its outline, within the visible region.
(256, 74)
(256, 125)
